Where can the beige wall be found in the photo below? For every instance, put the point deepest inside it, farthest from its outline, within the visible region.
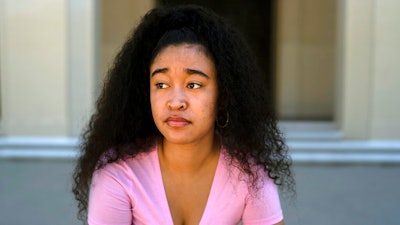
(51, 60)
(53, 54)
(33, 67)
(339, 59)
(305, 70)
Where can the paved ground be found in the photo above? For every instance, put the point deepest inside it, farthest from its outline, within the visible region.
(38, 193)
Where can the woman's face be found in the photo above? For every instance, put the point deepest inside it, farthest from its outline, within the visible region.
(183, 93)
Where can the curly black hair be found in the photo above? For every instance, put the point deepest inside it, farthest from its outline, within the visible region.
(123, 121)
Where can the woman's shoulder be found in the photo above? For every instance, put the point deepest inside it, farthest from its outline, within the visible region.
(129, 165)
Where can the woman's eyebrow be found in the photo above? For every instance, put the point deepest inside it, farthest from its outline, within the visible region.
(160, 70)
(188, 71)
(198, 72)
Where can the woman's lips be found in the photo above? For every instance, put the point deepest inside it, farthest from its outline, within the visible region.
(177, 121)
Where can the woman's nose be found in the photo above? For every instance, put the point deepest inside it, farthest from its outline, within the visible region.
(177, 101)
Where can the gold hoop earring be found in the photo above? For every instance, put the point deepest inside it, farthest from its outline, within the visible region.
(222, 126)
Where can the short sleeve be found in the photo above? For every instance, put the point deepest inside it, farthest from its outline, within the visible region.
(109, 203)
(263, 207)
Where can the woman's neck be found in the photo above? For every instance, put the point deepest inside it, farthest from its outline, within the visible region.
(188, 158)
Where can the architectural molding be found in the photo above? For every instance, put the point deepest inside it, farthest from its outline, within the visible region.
(345, 152)
(302, 151)
(38, 148)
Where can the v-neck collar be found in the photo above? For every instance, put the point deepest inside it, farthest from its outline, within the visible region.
(211, 195)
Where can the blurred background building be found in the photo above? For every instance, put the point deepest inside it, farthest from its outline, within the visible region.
(331, 67)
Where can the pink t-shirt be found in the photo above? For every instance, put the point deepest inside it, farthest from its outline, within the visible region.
(131, 191)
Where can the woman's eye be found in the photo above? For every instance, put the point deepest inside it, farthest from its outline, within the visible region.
(161, 85)
(193, 86)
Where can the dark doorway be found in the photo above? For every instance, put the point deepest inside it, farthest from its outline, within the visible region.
(255, 19)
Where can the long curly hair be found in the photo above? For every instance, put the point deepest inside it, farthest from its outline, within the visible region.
(123, 121)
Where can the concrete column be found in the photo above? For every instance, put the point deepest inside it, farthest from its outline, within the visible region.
(355, 68)
(385, 88)
(83, 81)
(368, 105)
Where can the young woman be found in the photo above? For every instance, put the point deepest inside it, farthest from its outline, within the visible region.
(183, 132)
